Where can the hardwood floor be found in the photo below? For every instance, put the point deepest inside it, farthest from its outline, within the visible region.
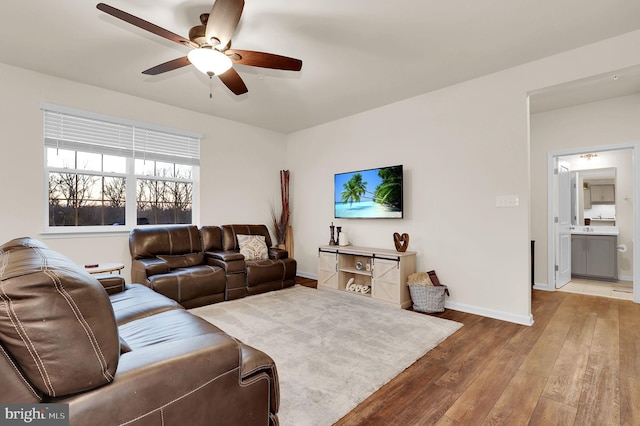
(579, 364)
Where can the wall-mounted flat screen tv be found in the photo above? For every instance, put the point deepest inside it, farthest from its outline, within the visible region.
(369, 194)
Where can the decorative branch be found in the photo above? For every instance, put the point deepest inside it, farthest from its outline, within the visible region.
(284, 191)
(281, 222)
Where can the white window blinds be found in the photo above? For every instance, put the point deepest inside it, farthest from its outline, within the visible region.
(66, 128)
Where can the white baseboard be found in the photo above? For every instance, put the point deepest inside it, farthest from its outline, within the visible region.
(543, 286)
(547, 287)
(503, 316)
(307, 275)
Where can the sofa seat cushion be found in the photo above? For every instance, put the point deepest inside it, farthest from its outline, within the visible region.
(168, 326)
(189, 283)
(193, 381)
(264, 271)
(56, 320)
(138, 301)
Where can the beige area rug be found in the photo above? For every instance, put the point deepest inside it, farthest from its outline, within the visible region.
(332, 349)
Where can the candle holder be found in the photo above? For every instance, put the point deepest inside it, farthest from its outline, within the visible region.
(332, 241)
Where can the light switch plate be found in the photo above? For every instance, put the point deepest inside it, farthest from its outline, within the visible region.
(507, 201)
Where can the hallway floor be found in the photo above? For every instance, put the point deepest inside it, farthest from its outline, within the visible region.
(615, 290)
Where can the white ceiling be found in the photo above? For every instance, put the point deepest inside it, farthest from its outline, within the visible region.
(596, 88)
(357, 54)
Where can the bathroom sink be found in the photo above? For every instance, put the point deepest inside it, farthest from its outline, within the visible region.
(595, 230)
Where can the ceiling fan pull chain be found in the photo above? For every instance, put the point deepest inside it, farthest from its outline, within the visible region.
(210, 88)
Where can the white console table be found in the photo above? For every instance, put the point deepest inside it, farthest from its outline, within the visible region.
(385, 271)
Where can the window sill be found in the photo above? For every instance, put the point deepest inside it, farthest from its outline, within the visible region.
(83, 233)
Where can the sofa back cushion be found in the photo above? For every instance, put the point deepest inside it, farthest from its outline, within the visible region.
(164, 240)
(230, 235)
(15, 388)
(211, 238)
(56, 320)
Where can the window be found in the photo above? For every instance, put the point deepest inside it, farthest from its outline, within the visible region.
(109, 173)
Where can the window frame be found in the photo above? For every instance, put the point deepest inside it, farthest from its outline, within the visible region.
(131, 178)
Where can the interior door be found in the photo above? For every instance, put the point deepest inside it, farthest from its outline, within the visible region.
(563, 228)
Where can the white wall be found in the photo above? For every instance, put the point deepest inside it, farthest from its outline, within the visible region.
(596, 124)
(461, 147)
(239, 173)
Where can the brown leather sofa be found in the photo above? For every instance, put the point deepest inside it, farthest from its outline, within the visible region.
(247, 277)
(199, 267)
(170, 260)
(132, 357)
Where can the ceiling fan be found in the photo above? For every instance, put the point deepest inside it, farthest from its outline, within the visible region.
(211, 45)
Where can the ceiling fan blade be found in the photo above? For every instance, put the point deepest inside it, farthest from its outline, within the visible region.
(168, 66)
(145, 25)
(223, 20)
(264, 60)
(233, 81)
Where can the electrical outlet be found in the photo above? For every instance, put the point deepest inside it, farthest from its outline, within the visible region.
(507, 201)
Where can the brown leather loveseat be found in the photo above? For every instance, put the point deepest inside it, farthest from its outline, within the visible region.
(170, 260)
(132, 357)
(247, 275)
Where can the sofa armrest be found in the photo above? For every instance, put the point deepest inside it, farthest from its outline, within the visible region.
(156, 384)
(224, 256)
(112, 283)
(277, 253)
(141, 269)
(256, 363)
(231, 261)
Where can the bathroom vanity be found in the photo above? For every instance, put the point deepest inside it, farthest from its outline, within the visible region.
(594, 252)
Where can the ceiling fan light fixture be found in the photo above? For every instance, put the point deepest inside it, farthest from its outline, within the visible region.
(209, 61)
(211, 43)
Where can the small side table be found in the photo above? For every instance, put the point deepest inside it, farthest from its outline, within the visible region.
(101, 268)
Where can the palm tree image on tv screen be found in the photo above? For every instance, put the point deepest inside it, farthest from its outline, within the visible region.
(374, 193)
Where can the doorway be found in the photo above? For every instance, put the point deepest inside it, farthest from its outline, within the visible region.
(559, 232)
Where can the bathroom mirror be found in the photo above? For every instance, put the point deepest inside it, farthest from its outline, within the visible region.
(593, 197)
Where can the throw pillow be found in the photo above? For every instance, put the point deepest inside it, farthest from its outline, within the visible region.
(253, 247)
(419, 278)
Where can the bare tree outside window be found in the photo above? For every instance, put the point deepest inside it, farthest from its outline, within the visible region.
(164, 202)
(165, 195)
(86, 200)
(95, 162)
(115, 191)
